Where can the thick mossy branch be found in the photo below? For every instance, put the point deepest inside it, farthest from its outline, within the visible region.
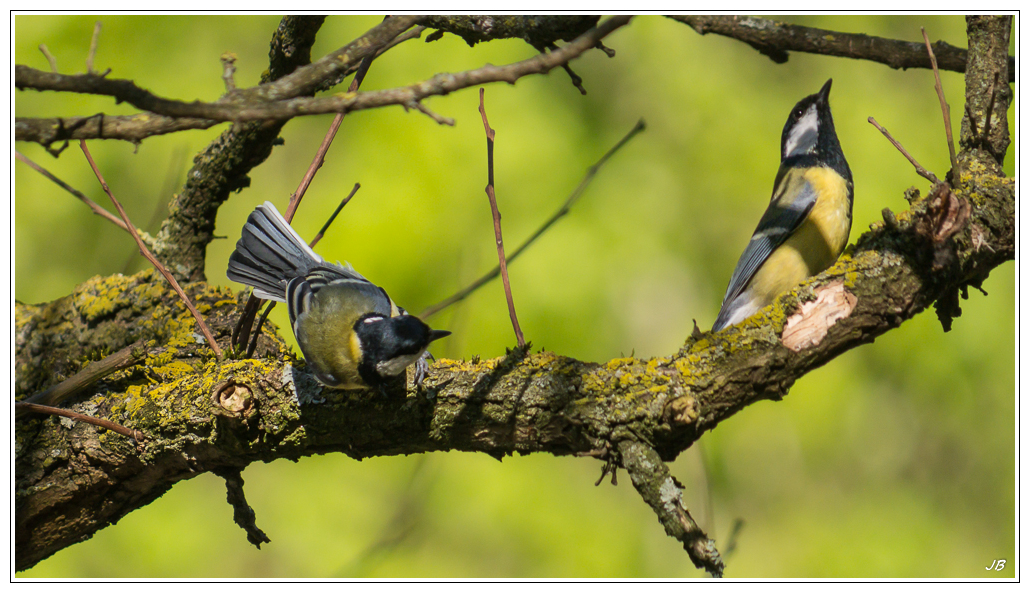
(72, 479)
(521, 402)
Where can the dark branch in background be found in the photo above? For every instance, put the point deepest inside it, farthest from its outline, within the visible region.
(775, 39)
(242, 514)
(150, 257)
(538, 31)
(664, 494)
(498, 239)
(238, 110)
(541, 32)
(562, 211)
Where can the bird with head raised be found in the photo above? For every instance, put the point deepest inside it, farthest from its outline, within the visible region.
(806, 226)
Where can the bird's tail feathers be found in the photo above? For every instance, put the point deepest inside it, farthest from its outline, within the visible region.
(269, 254)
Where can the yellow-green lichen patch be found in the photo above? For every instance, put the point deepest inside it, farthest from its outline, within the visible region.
(172, 370)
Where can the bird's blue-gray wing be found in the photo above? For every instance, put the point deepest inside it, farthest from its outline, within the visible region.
(788, 208)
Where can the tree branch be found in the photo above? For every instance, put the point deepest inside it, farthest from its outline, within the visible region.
(647, 410)
(775, 39)
(246, 106)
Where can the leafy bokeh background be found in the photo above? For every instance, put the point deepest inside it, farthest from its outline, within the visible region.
(895, 460)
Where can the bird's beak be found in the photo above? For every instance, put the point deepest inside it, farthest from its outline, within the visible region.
(436, 334)
(824, 93)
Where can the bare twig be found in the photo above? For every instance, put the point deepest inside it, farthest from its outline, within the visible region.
(327, 141)
(562, 211)
(146, 253)
(49, 57)
(229, 70)
(945, 108)
(89, 376)
(96, 208)
(93, 48)
(252, 347)
(919, 169)
(435, 117)
(413, 33)
(497, 222)
(336, 213)
(113, 426)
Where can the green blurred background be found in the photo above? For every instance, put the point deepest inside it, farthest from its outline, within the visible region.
(895, 460)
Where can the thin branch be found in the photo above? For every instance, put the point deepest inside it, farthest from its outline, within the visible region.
(336, 213)
(945, 108)
(247, 108)
(229, 70)
(446, 121)
(89, 376)
(96, 208)
(327, 141)
(497, 222)
(93, 48)
(775, 39)
(49, 57)
(919, 169)
(562, 211)
(146, 253)
(252, 346)
(41, 409)
(131, 128)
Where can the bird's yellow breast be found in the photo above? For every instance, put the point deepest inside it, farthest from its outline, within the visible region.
(817, 242)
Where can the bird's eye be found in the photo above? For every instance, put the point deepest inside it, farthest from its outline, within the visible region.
(798, 112)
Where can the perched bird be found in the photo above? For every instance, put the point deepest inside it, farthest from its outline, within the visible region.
(808, 221)
(352, 334)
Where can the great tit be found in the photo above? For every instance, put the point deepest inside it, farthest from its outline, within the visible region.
(808, 221)
(352, 334)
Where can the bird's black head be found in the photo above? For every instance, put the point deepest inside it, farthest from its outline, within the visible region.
(390, 344)
(809, 136)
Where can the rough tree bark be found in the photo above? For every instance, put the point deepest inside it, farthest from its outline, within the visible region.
(203, 416)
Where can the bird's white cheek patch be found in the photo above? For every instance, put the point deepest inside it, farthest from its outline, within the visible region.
(396, 366)
(813, 321)
(804, 134)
